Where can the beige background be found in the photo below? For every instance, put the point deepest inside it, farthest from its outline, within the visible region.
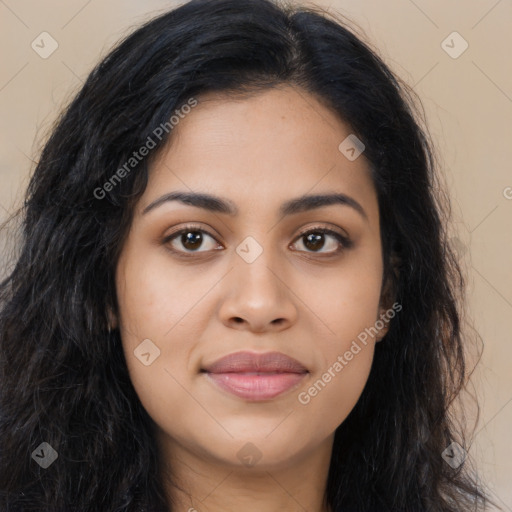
(468, 101)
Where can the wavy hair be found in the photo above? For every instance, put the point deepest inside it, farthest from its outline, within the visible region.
(64, 379)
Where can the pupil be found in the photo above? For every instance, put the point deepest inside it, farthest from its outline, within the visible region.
(316, 240)
(191, 240)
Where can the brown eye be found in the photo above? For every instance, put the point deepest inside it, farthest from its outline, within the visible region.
(190, 240)
(317, 239)
(314, 241)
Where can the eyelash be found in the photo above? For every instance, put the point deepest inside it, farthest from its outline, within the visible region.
(344, 242)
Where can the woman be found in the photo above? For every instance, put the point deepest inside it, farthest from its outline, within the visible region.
(234, 289)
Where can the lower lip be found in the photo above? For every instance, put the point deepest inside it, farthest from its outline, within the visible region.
(263, 386)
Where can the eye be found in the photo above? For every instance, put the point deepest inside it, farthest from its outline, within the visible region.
(189, 240)
(316, 239)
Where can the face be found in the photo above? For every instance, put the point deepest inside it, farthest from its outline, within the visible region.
(259, 269)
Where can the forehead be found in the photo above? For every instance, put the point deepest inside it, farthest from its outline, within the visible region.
(270, 145)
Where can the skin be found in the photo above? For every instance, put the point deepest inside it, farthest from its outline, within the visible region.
(297, 298)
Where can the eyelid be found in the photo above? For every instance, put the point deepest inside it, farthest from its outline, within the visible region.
(324, 228)
(343, 239)
(188, 227)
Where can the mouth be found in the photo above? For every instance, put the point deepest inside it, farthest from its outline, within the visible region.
(254, 376)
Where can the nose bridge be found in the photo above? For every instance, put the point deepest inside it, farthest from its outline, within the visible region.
(257, 270)
(257, 292)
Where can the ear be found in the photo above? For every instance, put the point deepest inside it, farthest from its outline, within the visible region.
(388, 296)
(382, 332)
(111, 319)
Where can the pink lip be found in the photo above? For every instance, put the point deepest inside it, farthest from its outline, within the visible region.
(256, 376)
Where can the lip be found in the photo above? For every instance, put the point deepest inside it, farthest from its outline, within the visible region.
(239, 362)
(255, 376)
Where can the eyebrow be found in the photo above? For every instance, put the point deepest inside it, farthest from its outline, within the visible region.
(221, 205)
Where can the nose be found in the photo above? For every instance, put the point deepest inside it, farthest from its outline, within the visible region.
(257, 298)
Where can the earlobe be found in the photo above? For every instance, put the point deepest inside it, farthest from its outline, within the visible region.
(382, 332)
(111, 319)
(382, 324)
(388, 296)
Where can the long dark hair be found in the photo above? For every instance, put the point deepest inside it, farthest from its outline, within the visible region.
(64, 380)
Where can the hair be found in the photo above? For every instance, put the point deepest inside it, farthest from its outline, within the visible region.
(64, 379)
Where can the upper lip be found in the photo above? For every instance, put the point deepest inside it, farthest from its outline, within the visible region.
(239, 362)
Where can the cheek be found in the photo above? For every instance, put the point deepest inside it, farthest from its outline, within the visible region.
(347, 302)
(348, 307)
(154, 296)
(333, 391)
(158, 303)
